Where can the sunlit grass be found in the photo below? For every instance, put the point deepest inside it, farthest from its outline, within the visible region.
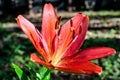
(102, 13)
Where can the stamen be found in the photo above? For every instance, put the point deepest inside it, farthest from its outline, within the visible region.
(72, 29)
(56, 25)
(59, 19)
(50, 61)
(71, 23)
(58, 22)
(59, 31)
(73, 35)
(80, 29)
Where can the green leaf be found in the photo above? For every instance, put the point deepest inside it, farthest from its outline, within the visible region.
(44, 74)
(32, 72)
(20, 73)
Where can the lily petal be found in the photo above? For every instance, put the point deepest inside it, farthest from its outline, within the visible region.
(66, 36)
(34, 35)
(78, 41)
(69, 30)
(80, 68)
(94, 53)
(49, 20)
(37, 59)
(89, 54)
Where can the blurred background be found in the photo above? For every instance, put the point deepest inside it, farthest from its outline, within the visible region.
(104, 30)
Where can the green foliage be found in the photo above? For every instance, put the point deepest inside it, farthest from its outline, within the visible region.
(20, 73)
(43, 74)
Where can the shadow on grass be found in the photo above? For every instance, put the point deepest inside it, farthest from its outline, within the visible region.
(108, 42)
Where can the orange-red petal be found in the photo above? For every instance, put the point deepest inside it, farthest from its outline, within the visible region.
(78, 41)
(89, 54)
(37, 59)
(49, 20)
(80, 68)
(94, 53)
(66, 45)
(34, 35)
(69, 30)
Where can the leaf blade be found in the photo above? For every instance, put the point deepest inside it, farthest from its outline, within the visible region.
(21, 75)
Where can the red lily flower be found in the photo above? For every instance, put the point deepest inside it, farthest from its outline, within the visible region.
(59, 46)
